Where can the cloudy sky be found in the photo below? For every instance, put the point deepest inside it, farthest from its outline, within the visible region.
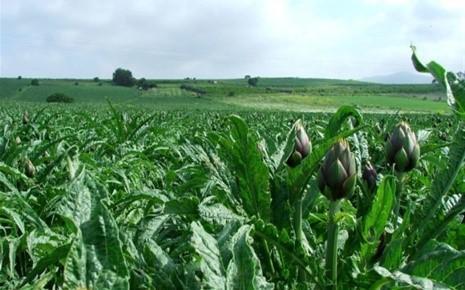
(227, 38)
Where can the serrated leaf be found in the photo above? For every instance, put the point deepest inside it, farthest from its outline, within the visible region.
(248, 169)
(440, 263)
(95, 259)
(441, 186)
(244, 271)
(400, 280)
(210, 262)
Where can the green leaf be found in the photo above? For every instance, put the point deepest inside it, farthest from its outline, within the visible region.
(441, 263)
(280, 206)
(165, 268)
(393, 254)
(209, 262)
(399, 280)
(375, 221)
(438, 72)
(20, 211)
(244, 271)
(442, 184)
(287, 148)
(217, 213)
(96, 259)
(41, 282)
(420, 67)
(183, 206)
(455, 89)
(248, 169)
(7, 183)
(48, 261)
(338, 119)
(225, 241)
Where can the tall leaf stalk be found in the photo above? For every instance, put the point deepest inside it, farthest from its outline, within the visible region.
(298, 222)
(399, 193)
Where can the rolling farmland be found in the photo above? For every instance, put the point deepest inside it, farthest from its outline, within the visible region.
(200, 188)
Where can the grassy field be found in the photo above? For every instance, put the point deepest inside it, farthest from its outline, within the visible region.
(295, 94)
(375, 103)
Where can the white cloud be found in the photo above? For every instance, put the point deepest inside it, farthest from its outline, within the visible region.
(208, 38)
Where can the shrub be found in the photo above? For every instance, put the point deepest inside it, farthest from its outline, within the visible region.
(76, 83)
(34, 82)
(96, 79)
(145, 84)
(59, 98)
(20, 77)
(193, 89)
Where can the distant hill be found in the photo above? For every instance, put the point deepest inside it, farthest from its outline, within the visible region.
(400, 78)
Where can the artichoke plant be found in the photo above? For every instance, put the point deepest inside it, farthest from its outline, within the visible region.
(338, 175)
(302, 147)
(402, 148)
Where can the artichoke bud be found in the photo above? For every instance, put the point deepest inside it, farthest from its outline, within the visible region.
(402, 148)
(302, 147)
(338, 175)
(29, 168)
(369, 176)
(25, 118)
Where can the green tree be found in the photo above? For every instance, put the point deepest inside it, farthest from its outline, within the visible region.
(252, 81)
(123, 77)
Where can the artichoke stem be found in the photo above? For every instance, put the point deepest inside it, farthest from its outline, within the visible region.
(331, 246)
(298, 222)
(399, 193)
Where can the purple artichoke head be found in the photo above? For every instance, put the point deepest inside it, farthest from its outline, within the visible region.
(402, 148)
(302, 146)
(338, 175)
(369, 176)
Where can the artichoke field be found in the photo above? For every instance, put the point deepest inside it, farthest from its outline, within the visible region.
(125, 198)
